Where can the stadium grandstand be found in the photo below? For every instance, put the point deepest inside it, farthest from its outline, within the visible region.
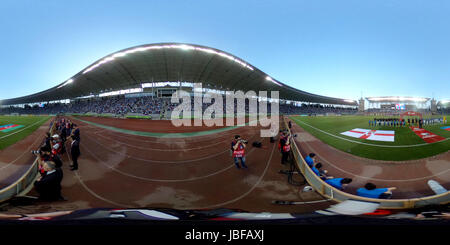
(141, 80)
(443, 107)
(395, 105)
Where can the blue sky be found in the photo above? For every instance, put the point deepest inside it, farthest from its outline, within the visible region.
(331, 48)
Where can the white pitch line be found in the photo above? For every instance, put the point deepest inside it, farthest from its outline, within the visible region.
(362, 143)
(25, 152)
(23, 128)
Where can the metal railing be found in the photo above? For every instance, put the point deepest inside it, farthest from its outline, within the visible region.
(330, 192)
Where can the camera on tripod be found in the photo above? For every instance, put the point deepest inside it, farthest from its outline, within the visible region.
(244, 141)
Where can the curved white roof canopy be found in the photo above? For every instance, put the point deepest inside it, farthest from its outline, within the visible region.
(170, 62)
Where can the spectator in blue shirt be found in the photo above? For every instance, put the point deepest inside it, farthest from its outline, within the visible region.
(371, 191)
(319, 172)
(310, 159)
(339, 183)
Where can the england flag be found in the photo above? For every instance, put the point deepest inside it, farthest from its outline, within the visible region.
(378, 135)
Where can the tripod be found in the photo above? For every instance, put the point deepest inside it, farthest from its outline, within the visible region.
(290, 173)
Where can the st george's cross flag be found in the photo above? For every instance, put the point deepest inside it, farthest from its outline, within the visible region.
(378, 135)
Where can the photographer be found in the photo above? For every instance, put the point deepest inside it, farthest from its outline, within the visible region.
(285, 143)
(56, 145)
(49, 185)
(238, 145)
(43, 155)
(283, 136)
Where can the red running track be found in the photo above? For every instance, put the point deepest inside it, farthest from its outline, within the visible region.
(118, 170)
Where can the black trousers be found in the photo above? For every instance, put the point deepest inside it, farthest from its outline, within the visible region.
(284, 156)
(75, 161)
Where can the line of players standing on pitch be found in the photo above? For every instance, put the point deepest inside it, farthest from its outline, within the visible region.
(48, 185)
(396, 122)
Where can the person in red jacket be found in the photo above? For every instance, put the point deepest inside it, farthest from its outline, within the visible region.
(283, 136)
(238, 145)
(285, 148)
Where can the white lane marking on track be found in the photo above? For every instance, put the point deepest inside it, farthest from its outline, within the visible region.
(98, 196)
(246, 193)
(206, 137)
(119, 135)
(155, 149)
(23, 128)
(119, 130)
(363, 143)
(210, 206)
(371, 178)
(158, 161)
(93, 193)
(163, 180)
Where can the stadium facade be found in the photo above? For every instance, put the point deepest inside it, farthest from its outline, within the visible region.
(399, 102)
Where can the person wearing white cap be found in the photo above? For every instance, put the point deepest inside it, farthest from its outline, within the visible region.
(56, 145)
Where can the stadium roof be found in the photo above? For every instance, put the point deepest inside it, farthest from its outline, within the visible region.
(397, 99)
(163, 62)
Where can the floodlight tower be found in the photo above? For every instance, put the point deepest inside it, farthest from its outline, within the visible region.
(433, 105)
(361, 105)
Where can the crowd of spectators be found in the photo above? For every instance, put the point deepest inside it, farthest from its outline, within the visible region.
(312, 109)
(395, 112)
(147, 105)
(118, 105)
(444, 111)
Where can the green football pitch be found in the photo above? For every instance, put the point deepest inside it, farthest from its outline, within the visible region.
(407, 145)
(28, 124)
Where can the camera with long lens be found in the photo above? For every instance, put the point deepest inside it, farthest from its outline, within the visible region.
(36, 152)
(244, 141)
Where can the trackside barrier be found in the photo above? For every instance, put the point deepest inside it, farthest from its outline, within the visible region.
(330, 192)
(23, 182)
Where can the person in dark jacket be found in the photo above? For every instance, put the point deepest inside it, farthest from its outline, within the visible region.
(76, 132)
(48, 139)
(75, 152)
(49, 185)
